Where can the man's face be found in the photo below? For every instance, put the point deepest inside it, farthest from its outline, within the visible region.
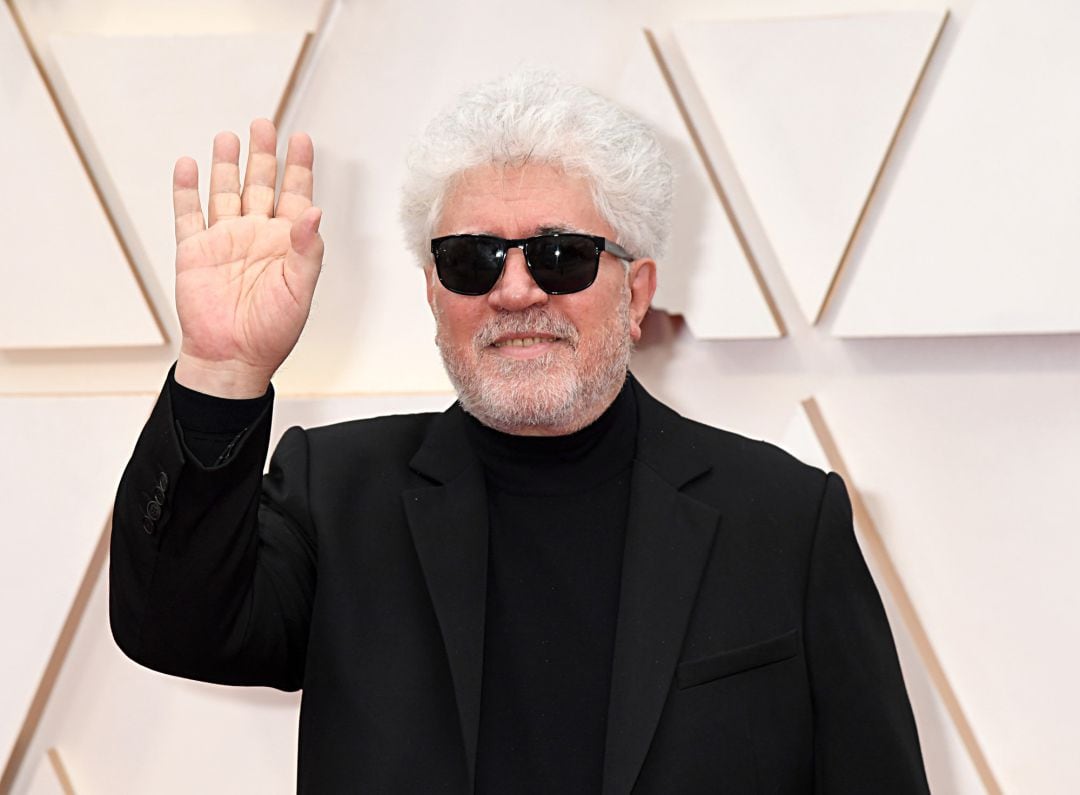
(521, 360)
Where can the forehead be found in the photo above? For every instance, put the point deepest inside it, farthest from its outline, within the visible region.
(518, 201)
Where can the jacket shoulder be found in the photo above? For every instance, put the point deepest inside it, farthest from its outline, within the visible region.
(392, 429)
(732, 467)
(756, 454)
(375, 446)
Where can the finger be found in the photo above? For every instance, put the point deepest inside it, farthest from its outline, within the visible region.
(297, 182)
(304, 260)
(261, 170)
(224, 200)
(187, 211)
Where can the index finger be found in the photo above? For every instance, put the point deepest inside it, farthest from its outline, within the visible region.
(296, 184)
(187, 210)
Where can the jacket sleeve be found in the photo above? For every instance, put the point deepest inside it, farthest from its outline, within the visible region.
(212, 568)
(865, 738)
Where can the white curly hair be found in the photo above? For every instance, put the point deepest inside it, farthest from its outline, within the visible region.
(537, 116)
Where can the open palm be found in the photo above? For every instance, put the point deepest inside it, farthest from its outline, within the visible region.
(245, 276)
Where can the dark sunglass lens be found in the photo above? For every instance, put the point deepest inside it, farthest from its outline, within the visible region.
(469, 265)
(563, 263)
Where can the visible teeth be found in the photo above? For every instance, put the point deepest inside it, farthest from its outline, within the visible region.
(521, 342)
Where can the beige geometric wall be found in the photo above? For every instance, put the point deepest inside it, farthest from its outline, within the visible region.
(923, 294)
(46, 179)
(984, 209)
(808, 108)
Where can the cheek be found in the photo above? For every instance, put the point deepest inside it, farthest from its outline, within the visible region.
(594, 314)
(458, 321)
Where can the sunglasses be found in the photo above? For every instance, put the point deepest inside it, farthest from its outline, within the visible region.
(559, 262)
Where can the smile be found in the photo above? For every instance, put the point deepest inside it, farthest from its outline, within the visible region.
(522, 342)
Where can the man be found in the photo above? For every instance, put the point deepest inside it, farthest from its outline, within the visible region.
(558, 585)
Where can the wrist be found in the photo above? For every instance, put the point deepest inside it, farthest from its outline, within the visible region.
(224, 379)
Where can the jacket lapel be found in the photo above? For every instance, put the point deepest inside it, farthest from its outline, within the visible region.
(449, 525)
(668, 539)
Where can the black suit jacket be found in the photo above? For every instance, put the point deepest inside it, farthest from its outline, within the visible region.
(752, 654)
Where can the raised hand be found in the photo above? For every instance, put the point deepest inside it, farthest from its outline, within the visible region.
(244, 283)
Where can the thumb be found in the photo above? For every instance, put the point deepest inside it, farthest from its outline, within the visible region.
(304, 260)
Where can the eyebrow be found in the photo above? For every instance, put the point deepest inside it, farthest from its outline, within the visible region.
(557, 229)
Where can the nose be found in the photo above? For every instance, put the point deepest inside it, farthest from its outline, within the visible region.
(516, 289)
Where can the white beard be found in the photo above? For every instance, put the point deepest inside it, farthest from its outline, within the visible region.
(559, 392)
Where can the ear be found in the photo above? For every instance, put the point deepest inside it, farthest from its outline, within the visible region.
(642, 278)
(429, 282)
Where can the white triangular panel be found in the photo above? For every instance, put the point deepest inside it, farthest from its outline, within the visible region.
(801, 441)
(807, 109)
(66, 281)
(948, 765)
(979, 233)
(188, 89)
(63, 459)
(45, 780)
(705, 275)
(970, 479)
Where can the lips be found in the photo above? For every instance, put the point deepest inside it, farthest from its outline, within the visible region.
(518, 331)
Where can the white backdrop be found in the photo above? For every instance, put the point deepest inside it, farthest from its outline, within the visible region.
(946, 361)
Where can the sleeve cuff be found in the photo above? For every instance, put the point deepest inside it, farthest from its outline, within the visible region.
(207, 414)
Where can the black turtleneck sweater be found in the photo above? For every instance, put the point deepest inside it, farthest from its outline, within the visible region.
(557, 520)
(557, 510)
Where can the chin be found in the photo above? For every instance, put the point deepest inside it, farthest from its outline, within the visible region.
(514, 396)
(545, 395)
(559, 392)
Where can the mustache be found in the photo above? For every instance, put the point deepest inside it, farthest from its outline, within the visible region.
(532, 320)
